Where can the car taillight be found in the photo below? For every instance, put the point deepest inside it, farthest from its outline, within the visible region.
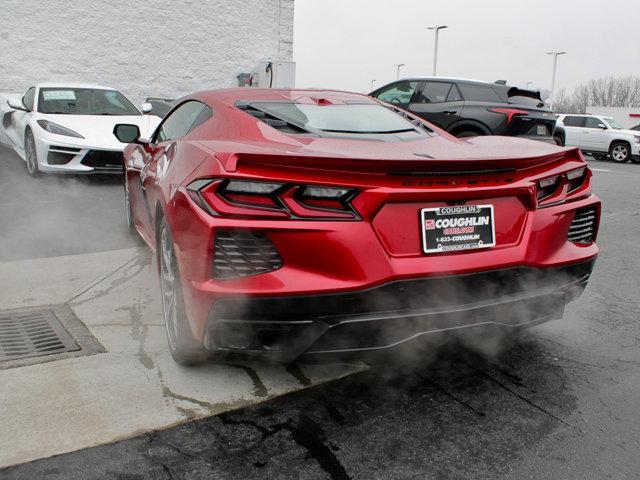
(576, 178)
(547, 186)
(509, 112)
(273, 199)
(558, 188)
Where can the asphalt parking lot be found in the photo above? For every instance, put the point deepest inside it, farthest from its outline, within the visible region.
(560, 402)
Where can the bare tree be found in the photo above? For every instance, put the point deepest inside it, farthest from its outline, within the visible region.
(603, 92)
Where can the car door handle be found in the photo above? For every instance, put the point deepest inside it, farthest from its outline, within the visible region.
(449, 112)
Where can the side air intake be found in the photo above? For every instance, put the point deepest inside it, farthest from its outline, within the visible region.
(241, 254)
(583, 226)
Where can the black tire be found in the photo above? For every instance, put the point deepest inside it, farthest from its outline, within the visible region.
(559, 141)
(30, 154)
(184, 349)
(468, 134)
(620, 152)
(599, 156)
(127, 208)
(635, 160)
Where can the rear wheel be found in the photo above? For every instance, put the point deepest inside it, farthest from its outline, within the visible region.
(185, 350)
(620, 152)
(558, 140)
(635, 160)
(31, 154)
(127, 206)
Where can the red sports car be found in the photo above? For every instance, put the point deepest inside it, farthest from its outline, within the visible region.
(304, 221)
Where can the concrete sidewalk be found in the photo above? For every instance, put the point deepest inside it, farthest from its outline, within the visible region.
(73, 403)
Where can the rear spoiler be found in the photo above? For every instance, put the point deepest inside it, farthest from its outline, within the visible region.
(520, 92)
(235, 161)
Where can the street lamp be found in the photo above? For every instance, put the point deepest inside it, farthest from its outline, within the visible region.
(398, 65)
(555, 64)
(437, 28)
(372, 82)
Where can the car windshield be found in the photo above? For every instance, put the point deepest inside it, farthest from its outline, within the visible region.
(344, 118)
(84, 101)
(613, 123)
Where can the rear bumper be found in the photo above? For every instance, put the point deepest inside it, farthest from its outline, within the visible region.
(393, 313)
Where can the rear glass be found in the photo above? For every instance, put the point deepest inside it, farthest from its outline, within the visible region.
(478, 93)
(525, 100)
(348, 118)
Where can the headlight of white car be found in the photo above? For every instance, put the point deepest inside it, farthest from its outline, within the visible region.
(58, 129)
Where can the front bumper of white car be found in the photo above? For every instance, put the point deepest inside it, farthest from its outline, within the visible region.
(57, 156)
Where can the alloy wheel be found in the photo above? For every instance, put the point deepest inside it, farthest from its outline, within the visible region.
(31, 155)
(619, 153)
(168, 287)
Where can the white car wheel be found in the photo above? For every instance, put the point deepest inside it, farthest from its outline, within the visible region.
(31, 154)
(620, 152)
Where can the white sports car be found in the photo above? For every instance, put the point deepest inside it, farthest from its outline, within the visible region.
(68, 128)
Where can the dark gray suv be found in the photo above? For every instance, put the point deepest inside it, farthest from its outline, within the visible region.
(467, 108)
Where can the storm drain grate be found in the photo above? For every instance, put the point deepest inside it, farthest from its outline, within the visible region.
(33, 334)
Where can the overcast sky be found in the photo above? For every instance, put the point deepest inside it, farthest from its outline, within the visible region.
(347, 43)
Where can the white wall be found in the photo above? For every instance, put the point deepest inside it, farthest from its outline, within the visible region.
(145, 48)
(622, 114)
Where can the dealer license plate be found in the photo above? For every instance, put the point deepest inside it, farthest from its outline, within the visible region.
(460, 227)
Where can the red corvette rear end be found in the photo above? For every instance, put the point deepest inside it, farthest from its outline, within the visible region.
(292, 222)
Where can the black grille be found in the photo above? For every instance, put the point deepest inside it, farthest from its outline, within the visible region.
(103, 160)
(583, 226)
(57, 158)
(32, 334)
(240, 254)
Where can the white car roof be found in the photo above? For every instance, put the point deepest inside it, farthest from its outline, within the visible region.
(73, 85)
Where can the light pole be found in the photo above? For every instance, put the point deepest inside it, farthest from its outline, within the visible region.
(398, 65)
(555, 64)
(372, 82)
(437, 29)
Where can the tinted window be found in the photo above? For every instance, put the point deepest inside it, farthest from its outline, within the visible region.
(433, 92)
(525, 100)
(84, 101)
(478, 93)
(182, 120)
(400, 92)
(574, 121)
(454, 95)
(593, 122)
(28, 98)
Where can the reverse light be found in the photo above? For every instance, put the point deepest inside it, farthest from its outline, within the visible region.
(258, 188)
(559, 188)
(57, 129)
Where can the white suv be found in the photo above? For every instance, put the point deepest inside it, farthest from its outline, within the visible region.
(601, 136)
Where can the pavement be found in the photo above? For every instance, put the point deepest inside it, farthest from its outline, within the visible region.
(559, 402)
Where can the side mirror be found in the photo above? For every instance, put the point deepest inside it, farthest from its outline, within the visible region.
(146, 107)
(602, 126)
(127, 133)
(17, 104)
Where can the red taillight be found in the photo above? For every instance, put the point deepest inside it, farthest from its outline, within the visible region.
(273, 199)
(509, 112)
(559, 188)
